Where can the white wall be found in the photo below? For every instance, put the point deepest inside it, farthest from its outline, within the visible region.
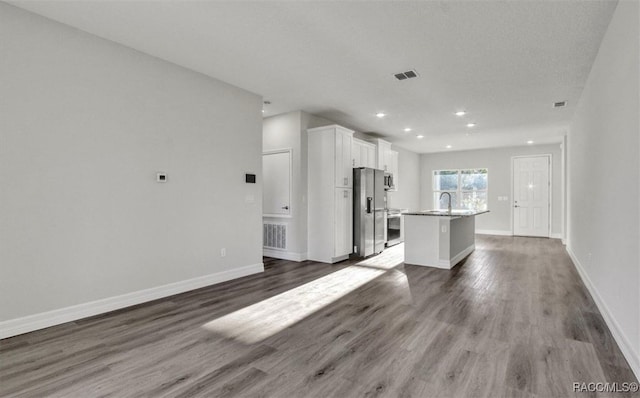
(603, 167)
(498, 162)
(283, 132)
(408, 194)
(85, 124)
(289, 131)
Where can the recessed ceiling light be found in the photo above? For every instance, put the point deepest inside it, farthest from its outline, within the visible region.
(263, 111)
(471, 125)
(448, 147)
(419, 136)
(529, 142)
(407, 129)
(380, 114)
(460, 113)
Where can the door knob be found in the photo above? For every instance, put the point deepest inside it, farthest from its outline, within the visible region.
(285, 207)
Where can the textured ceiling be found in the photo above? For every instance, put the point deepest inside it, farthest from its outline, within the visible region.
(504, 62)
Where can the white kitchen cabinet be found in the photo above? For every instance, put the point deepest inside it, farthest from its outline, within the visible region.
(330, 195)
(370, 160)
(363, 154)
(387, 160)
(343, 160)
(393, 168)
(344, 222)
(356, 156)
(384, 154)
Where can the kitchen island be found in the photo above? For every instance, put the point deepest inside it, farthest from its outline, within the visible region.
(439, 238)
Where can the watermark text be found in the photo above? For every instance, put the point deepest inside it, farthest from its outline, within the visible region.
(606, 387)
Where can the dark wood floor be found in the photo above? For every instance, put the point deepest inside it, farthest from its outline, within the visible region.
(512, 320)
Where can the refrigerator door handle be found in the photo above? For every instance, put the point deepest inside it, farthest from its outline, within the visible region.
(369, 201)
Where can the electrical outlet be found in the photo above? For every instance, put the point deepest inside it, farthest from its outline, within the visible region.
(223, 252)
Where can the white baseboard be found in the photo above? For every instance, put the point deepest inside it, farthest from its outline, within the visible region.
(509, 233)
(623, 342)
(455, 260)
(14, 327)
(284, 255)
(493, 232)
(446, 264)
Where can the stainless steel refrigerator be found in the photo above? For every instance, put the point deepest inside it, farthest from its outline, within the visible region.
(368, 211)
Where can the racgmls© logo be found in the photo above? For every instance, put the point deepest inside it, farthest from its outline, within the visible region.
(606, 387)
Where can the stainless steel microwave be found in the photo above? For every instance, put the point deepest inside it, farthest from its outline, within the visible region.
(388, 181)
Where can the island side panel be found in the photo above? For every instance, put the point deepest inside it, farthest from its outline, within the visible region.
(444, 233)
(462, 238)
(421, 240)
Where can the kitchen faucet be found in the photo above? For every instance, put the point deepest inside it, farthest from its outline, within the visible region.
(449, 195)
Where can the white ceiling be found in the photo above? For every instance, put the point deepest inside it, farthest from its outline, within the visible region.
(504, 62)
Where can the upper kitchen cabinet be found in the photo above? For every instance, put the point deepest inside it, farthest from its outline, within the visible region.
(330, 148)
(343, 164)
(393, 168)
(363, 154)
(335, 143)
(384, 155)
(387, 160)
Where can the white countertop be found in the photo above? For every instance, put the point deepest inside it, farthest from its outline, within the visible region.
(446, 213)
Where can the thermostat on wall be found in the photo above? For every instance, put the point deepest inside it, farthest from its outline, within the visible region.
(250, 178)
(161, 177)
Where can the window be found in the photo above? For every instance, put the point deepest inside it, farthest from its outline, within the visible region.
(468, 188)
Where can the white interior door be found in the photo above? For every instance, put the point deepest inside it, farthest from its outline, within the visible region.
(276, 177)
(531, 195)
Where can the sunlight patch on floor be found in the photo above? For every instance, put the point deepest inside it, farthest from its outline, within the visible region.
(256, 322)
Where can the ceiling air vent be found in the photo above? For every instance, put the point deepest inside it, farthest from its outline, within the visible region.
(410, 74)
(559, 104)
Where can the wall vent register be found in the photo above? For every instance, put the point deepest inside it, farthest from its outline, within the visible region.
(274, 236)
(410, 74)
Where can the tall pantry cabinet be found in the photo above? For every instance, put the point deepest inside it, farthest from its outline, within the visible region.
(330, 194)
